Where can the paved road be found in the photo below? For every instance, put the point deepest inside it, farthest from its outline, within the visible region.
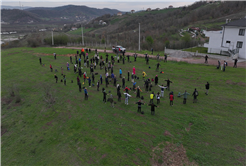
(195, 60)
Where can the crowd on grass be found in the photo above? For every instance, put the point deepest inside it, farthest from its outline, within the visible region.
(97, 62)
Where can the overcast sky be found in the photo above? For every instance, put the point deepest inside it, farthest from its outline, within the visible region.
(125, 5)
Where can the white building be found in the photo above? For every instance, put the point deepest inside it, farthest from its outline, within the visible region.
(230, 40)
(119, 14)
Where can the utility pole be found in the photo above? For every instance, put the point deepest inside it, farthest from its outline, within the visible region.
(139, 39)
(82, 35)
(52, 38)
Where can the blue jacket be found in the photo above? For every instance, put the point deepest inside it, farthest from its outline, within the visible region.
(112, 75)
(85, 91)
(89, 80)
(120, 71)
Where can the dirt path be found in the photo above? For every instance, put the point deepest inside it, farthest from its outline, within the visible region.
(194, 60)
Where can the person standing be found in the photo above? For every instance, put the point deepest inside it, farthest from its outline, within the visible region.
(61, 70)
(207, 88)
(86, 94)
(157, 66)
(128, 58)
(93, 78)
(54, 55)
(185, 96)
(138, 92)
(139, 103)
(150, 86)
(104, 96)
(89, 81)
(171, 98)
(123, 82)
(147, 60)
(165, 60)
(224, 66)
(40, 61)
(235, 63)
(123, 60)
(79, 86)
(156, 80)
(67, 66)
(195, 94)
(106, 81)
(51, 69)
(132, 77)
(152, 51)
(206, 59)
(152, 95)
(158, 97)
(127, 96)
(84, 75)
(134, 70)
(115, 80)
(119, 96)
(120, 73)
(144, 74)
(218, 64)
(78, 80)
(162, 90)
(153, 108)
(157, 57)
(135, 57)
(127, 89)
(168, 84)
(110, 99)
(134, 86)
(64, 80)
(146, 83)
(56, 78)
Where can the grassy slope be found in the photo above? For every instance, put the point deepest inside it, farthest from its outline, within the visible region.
(92, 133)
(78, 31)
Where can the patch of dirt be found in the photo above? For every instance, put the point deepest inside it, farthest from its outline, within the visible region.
(169, 154)
(241, 84)
(167, 133)
(13, 53)
(6, 100)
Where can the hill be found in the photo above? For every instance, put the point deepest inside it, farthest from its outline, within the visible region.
(63, 13)
(164, 25)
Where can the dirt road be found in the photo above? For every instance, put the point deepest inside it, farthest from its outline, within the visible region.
(195, 60)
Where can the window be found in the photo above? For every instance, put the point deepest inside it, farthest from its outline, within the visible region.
(239, 44)
(241, 32)
(228, 41)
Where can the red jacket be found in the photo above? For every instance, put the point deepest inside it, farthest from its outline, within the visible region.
(84, 75)
(50, 66)
(127, 88)
(171, 97)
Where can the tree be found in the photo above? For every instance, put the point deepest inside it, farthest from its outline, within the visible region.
(149, 40)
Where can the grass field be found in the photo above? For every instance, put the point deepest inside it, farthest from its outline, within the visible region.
(78, 31)
(79, 132)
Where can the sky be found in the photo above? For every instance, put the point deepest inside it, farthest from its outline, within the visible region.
(125, 5)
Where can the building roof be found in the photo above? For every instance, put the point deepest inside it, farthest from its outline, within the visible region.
(237, 23)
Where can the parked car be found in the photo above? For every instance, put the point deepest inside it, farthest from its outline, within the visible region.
(116, 48)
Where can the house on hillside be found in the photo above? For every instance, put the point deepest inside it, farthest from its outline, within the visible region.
(228, 41)
(194, 29)
(148, 9)
(73, 28)
(170, 7)
(119, 14)
(132, 11)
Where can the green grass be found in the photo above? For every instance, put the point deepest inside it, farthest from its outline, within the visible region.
(92, 133)
(154, 12)
(115, 20)
(78, 31)
(199, 49)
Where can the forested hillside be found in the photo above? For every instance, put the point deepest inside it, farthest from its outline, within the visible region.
(163, 26)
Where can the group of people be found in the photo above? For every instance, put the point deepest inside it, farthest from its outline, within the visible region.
(109, 66)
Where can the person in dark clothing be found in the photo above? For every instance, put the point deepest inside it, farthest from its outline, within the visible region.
(128, 75)
(128, 58)
(195, 94)
(106, 80)
(101, 79)
(207, 88)
(115, 80)
(150, 86)
(80, 72)
(147, 60)
(56, 78)
(235, 63)
(218, 64)
(153, 108)
(112, 70)
(77, 52)
(54, 55)
(89, 81)
(146, 83)
(152, 50)
(123, 60)
(86, 94)
(206, 59)
(79, 86)
(93, 78)
(224, 65)
(156, 80)
(123, 82)
(98, 84)
(168, 84)
(71, 59)
(165, 60)
(64, 79)
(157, 66)
(158, 97)
(138, 92)
(78, 80)
(135, 57)
(139, 103)
(119, 96)
(158, 57)
(40, 61)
